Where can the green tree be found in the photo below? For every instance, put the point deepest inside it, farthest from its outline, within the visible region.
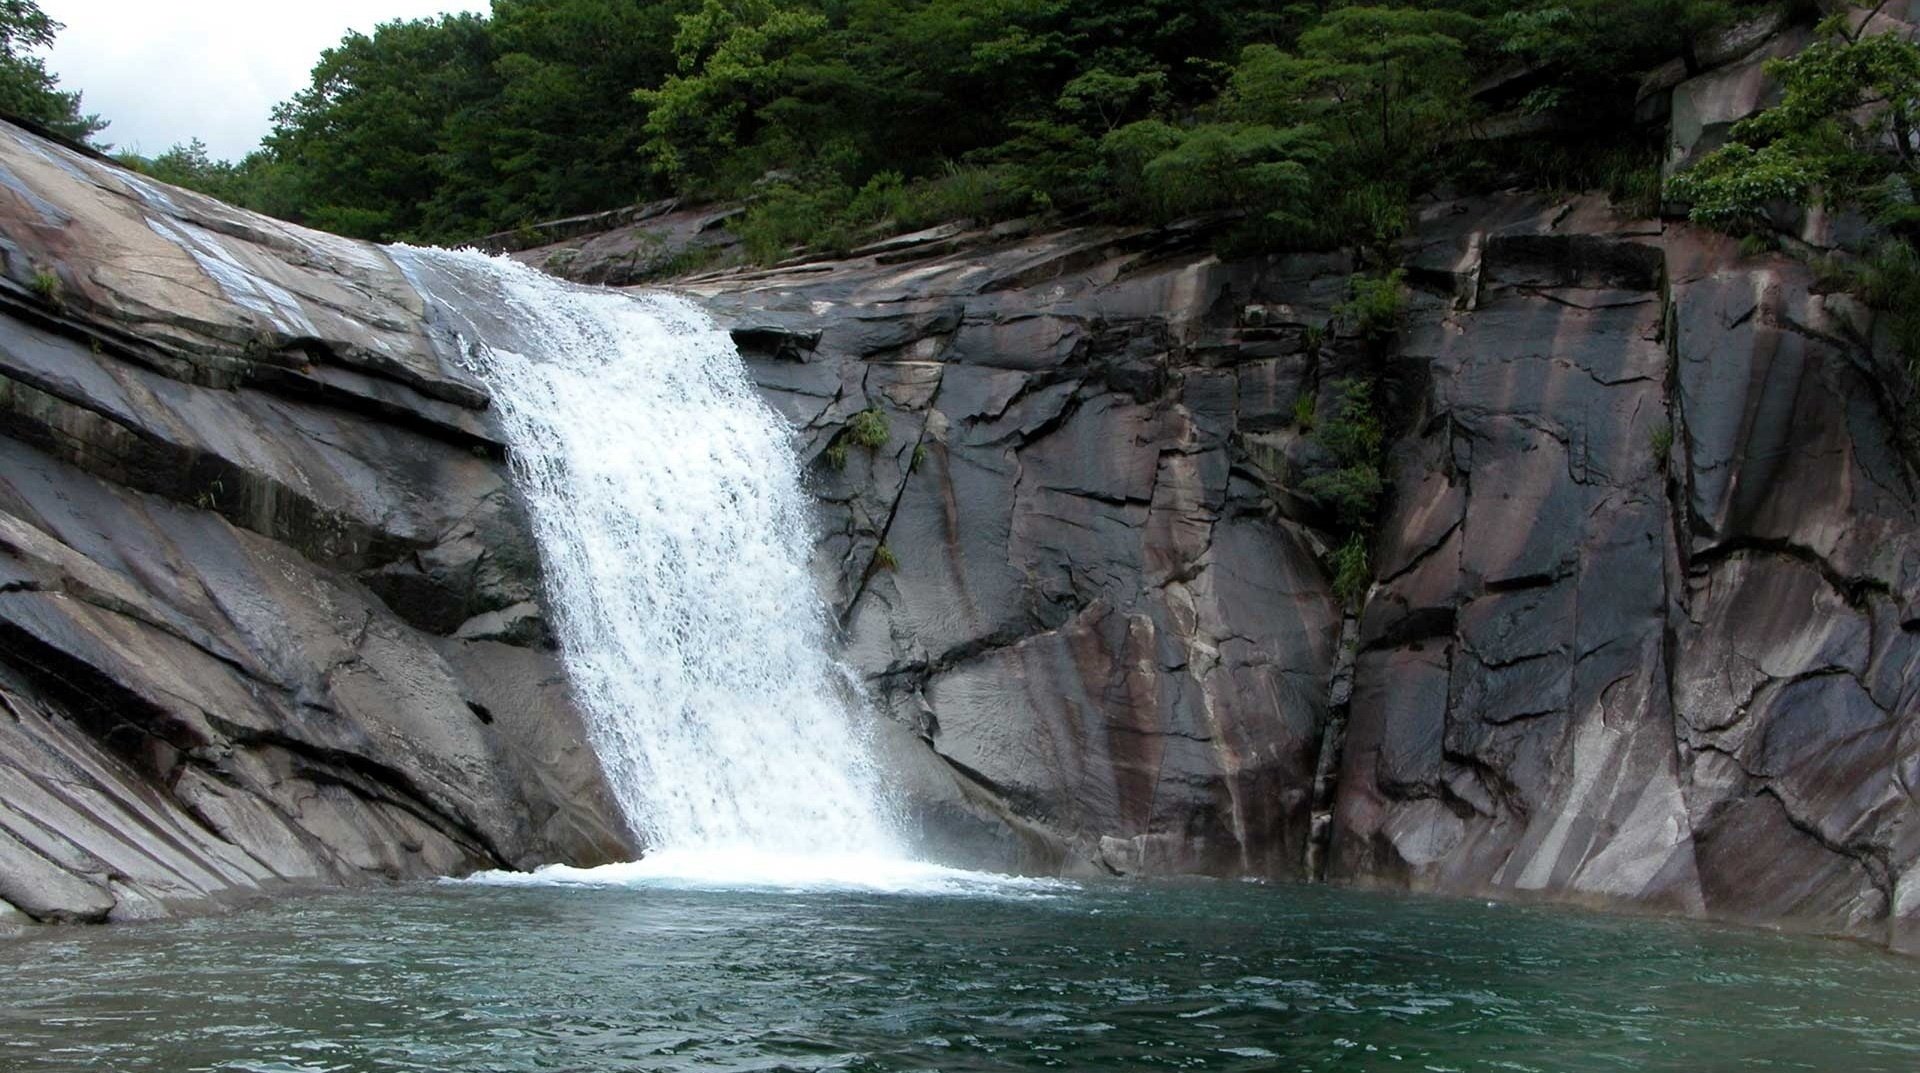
(187, 164)
(563, 134)
(364, 142)
(1319, 143)
(1595, 42)
(1312, 121)
(27, 88)
(738, 61)
(1388, 82)
(1844, 127)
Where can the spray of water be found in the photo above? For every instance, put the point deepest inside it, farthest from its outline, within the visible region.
(666, 501)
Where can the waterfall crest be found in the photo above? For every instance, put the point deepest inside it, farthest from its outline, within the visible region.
(667, 505)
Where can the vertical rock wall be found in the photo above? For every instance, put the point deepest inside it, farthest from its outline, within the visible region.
(1643, 618)
(1645, 625)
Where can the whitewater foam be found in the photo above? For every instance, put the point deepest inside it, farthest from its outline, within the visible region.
(751, 869)
(666, 500)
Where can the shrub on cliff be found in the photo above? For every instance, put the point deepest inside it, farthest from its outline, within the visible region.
(1352, 436)
(1845, 124)
(1842, 134)
(1374, 303)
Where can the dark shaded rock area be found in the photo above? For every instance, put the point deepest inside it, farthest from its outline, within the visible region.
(265, 590)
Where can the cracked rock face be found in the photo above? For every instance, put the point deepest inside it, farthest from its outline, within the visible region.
(268, 608)
(1644, 618)
(1095, 616)
(1644, 628)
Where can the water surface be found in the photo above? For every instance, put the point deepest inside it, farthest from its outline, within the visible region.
(1213, 976)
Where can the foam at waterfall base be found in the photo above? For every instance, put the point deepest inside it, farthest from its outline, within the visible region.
(754, 869)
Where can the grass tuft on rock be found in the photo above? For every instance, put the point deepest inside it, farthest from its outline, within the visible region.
(868, 429)
(47, 285)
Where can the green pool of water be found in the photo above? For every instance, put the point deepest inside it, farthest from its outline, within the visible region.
(1214, 976)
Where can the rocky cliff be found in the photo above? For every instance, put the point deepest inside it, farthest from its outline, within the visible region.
(1639, 635)
(268, 610)
(1644, 615)
(1643, 611)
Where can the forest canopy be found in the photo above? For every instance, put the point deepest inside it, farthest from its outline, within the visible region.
(1315, 120)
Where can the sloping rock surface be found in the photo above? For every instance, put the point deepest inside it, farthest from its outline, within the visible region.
(253, 533)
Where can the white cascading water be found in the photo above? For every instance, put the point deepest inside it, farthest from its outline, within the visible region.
(666, 500)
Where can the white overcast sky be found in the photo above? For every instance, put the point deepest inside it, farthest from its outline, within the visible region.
(164, 71)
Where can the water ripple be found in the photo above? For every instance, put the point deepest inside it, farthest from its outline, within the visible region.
(614, 977)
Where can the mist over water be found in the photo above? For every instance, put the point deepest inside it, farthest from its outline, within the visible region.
(673, 531)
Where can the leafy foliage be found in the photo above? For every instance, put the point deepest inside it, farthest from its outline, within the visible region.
(27, 88)
(1890, 282)
(1352, 435)
(1844, 125)
(1303, 125)
(1374, 303)
(868, 429)
(359, 139)
(1843, 134)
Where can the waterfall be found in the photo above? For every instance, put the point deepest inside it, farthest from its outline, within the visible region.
(666, 501)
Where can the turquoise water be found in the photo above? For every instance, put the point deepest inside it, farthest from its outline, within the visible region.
(1212, 976)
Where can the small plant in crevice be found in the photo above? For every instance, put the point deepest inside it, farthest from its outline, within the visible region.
(1660, 441)
(868, 428)
(1832, 273)
(919, 456)
(1757, 244)
(46, 285)
(1314, 337)
(835, 456)
(688, 262)
(1352, 569)
(883, 559)
(1374, 303)
(1354, 437)
(1303, 411)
